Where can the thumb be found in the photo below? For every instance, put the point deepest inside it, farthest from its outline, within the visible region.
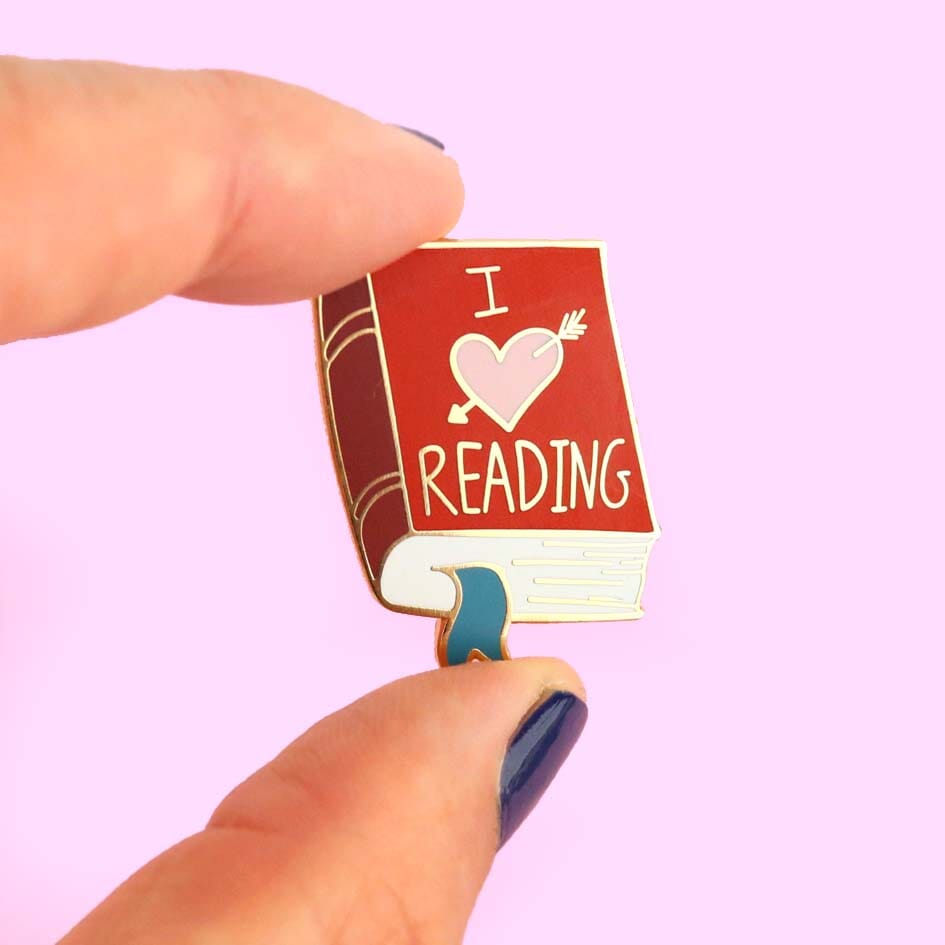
(379, 824)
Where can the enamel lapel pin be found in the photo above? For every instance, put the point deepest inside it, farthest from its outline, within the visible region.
(484, 439)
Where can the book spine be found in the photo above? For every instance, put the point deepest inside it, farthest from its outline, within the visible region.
(360, 424)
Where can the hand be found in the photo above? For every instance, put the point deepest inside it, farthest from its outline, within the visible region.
(119, 185)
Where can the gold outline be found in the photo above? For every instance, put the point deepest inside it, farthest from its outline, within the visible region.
(360, 520)
(344, 344)
(576, 582)
(500, 355)
(395, 433)
(350, 317)
(542, 562)
(512, 244)
(646, 538)
(585, 601)
(361, 495)
(443, 624)
(622, 364)
(514, 617)
(329, 408)
(374, 498)
(331, 428)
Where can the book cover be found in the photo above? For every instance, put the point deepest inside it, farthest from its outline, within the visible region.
(479, 413)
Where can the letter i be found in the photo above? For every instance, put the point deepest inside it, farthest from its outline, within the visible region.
(559, 446)
(492, 309)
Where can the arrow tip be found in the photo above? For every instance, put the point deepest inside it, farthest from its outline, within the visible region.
(457, 415)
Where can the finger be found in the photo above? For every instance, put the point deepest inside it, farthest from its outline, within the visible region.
(119, 185)
(377, 825)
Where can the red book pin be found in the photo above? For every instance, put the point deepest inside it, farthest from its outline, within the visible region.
(484, 439)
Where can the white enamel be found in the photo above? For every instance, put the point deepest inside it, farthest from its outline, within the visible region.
(553, 575)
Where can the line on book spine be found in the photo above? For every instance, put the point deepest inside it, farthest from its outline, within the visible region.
(364, 492)
(344, 344)
(374, 498)
(385, 375)
(326, 387)
(344, 321)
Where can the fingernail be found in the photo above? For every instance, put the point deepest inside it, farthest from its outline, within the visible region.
(428, 138)
(537, 750)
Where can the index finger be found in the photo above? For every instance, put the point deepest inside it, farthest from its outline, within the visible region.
(120, 184)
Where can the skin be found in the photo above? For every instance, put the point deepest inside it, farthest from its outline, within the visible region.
(120, 185)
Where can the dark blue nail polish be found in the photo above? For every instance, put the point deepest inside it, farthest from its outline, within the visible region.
(537, 750)
(428, 138)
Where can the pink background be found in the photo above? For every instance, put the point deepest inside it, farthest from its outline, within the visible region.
(178, 593)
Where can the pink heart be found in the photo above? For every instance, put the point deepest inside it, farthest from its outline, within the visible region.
(505, 382)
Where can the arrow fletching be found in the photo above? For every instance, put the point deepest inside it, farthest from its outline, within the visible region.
(572, 326)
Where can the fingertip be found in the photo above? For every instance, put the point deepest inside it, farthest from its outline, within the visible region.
(437, 192)
(215, 185)
(454, 194)
(543, 674)
(543, 736)
(383, 819)
(331, 196)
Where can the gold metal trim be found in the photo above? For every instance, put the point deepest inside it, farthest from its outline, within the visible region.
(382, 354)
(344, 344)
(346, 320)
(360, 520)
(444, 625)
(363, 493)
(584, 601)
(329, 409)
(576, 582)
(645, 538)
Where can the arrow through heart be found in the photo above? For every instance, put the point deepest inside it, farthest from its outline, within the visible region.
(504, 382)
